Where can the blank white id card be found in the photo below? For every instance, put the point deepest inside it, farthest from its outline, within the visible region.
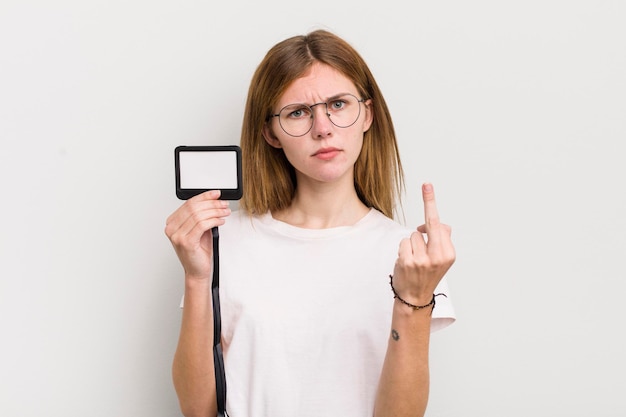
(203, 168)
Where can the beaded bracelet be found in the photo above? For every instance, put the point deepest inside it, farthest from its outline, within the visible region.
(413, 306)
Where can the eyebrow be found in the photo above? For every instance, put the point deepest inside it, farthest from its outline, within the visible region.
(334, 96)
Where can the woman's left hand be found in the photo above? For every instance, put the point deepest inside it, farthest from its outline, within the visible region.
(425, 257)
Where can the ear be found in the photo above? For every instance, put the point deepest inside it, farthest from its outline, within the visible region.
(269, 137)
(369, 115)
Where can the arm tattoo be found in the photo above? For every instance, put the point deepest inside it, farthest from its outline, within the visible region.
(395, 335)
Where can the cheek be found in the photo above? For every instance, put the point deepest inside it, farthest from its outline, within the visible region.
(294, 154)
(358, 143)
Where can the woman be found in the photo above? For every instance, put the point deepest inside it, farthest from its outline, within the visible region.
(310, 326)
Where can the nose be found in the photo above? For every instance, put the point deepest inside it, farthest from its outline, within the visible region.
(322, 126)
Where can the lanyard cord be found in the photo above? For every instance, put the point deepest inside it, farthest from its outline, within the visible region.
(218, 358)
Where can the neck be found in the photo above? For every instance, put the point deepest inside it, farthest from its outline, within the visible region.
(323, 205)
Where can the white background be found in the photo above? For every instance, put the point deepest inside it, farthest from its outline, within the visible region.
(514, 110)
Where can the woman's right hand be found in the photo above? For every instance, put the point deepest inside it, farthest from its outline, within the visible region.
(189, 230)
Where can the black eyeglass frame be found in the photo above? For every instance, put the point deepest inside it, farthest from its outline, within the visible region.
(362, 100)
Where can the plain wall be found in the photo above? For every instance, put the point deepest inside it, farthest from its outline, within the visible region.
(514, 110)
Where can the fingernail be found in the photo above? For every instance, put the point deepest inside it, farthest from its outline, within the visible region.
(428, 187)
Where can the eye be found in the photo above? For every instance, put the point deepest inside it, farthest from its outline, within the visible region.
(337, 104)
(297, 111)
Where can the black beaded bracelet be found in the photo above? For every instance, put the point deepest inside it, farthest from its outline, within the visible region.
(413, 306)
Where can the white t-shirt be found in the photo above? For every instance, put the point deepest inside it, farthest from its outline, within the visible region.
(306, 314)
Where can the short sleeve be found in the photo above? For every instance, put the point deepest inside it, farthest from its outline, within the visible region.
(443, 314)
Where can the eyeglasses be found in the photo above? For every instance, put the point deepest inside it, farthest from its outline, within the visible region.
(297, 119)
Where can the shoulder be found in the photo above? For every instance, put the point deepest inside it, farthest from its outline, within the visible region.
(240, 226)
(377, 222)
(238, 221)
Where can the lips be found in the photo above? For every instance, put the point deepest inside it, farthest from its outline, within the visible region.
(326, 153)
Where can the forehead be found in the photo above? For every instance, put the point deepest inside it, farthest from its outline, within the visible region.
(319, 83)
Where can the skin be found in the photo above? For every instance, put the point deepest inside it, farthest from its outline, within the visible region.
(421, 264)
(189, 230)
(325, 197)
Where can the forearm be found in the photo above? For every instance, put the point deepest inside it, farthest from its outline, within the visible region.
(192, 370)
(404, 382)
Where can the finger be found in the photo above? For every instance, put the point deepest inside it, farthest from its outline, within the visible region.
(439, 243)
(431, 215)
(418, 245)
(182, 210)
(203, 220)
(207, 195)
(405, 250)
(194, 213)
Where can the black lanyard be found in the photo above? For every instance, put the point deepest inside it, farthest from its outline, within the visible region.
(218, 358)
